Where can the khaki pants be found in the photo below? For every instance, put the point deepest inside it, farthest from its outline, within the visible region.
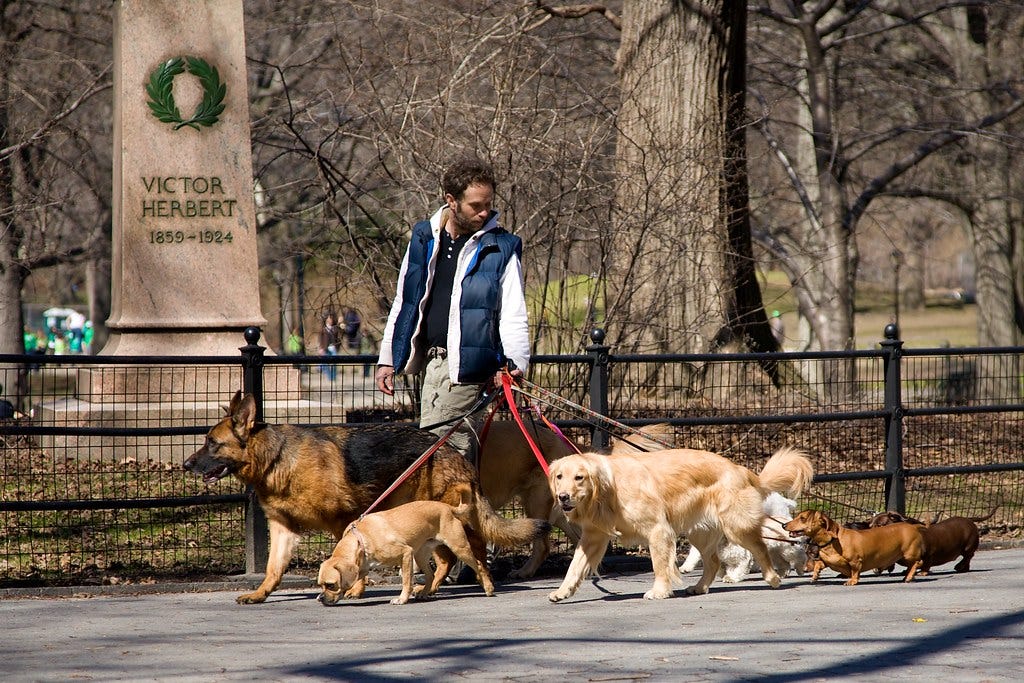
(441, 401)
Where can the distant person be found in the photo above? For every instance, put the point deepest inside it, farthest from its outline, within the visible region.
(329, 342)
(459, 314)
(87, 335)
(353, 325)
(294, 346)
(35, 345)
(31, 341)
(76, 331)
(778, 330)
(60, 344)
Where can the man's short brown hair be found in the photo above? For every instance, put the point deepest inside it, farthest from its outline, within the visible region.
(465, 172)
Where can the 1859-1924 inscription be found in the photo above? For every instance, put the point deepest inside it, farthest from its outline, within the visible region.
(187, 197)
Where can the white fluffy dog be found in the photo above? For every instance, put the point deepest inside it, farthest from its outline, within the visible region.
(785, 554)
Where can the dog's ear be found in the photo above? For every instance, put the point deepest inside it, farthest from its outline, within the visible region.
(243, 416)
(233, 404)
(830, 525)
(328, 573)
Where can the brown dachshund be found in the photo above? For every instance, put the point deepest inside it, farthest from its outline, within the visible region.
(944, 541)
(851, 552)
(947, 540)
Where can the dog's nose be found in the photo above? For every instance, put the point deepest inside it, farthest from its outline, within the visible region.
(563, 497)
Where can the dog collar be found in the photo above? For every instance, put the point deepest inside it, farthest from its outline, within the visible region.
(360, 539)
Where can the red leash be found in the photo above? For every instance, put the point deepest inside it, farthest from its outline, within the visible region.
(412, 468)
(506, 385)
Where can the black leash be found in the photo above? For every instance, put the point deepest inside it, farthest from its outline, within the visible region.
(481, 402)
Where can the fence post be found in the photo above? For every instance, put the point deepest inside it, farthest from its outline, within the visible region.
(598, 385)
(895, 483)
(257, 532)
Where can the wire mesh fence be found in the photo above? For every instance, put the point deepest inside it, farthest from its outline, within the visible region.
(92, 487)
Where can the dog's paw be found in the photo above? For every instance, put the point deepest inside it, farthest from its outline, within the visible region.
(254, 598)
(521, 573)
(697, 589)
(558, 595)
(400, 600)
(774, 581)
(730, 578)
(658, 594)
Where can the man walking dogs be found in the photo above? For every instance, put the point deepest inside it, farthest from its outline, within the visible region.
(459, 314)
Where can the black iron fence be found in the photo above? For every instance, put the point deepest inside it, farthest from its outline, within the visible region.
(92, 488)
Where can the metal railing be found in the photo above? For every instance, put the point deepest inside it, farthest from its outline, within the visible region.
(91, 483)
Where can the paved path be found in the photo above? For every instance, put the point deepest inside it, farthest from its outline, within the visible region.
(944, 627)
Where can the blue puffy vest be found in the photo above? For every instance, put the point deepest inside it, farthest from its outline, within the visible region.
(480, 350)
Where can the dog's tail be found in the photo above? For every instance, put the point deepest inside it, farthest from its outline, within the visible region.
(505, 532)
(463, 512)
(787, 471)
(985, 518)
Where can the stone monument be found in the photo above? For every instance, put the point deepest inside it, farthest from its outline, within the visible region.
(184, 267)
(185, 275)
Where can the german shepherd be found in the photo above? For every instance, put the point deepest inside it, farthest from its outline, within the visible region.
(323, 478)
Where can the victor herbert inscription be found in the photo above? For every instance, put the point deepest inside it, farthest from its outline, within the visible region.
(187, 197)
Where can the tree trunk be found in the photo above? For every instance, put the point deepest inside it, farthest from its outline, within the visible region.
(683, 274)
(981, 54)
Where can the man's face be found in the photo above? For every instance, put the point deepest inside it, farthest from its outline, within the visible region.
(472, 210)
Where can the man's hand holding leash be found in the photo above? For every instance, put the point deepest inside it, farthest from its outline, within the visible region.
(385, 378)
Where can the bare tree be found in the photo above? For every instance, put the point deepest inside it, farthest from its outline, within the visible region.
(54, 167)
(682, 274)
(363, 109)
(843, 140)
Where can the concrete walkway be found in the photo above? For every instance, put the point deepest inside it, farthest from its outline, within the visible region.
(944, 627)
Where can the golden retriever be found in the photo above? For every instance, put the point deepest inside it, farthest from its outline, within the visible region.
(655, 497)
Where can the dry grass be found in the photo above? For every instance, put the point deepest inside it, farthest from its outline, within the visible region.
(931, 327)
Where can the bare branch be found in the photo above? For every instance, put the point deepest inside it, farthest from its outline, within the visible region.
(579, 11)
(93, 88)
(930, 146)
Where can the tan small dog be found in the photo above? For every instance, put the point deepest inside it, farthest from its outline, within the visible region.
(850, 552)
(395, 538)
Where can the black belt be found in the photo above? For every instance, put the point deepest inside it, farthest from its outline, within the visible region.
(437, 352)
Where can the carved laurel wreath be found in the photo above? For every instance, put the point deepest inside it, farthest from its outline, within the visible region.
(161, 92)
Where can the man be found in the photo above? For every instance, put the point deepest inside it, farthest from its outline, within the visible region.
(459, 315)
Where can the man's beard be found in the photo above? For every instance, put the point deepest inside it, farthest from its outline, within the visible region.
(463, 225)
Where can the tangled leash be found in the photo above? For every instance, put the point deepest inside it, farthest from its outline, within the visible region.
(538, 393)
